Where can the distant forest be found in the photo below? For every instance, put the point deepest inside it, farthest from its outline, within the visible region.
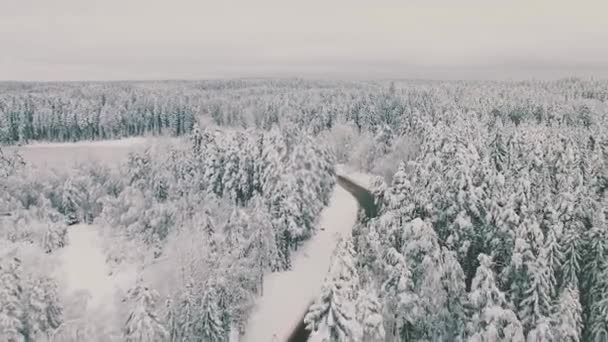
(93, 111)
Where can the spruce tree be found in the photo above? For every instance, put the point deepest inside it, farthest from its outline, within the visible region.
(568, 316)
(491, 319)
(11, 301)
(143, 324)
(335, 307)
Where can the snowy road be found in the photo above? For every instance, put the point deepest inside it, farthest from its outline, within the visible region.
(84, 267)
(84, 264)
(287, 295)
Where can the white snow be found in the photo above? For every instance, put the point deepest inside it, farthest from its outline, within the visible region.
(320, 335)
(287, 295)
(88, 143)
(84, 267)
(106, 152)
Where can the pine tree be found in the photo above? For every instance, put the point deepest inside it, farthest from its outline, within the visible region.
(170, 320)
(55, 237)
(196, 139)
(184, 316)
(11, 304)
(401, 191)
(491, 319)
(498, 152)
(44, 312)
(335, 307)
(529, 240)
(453, 313)
(598, 308)
(369, 316)
(230, 180)
(262, 249)
(554, 256)
(142, 324)
(536, 305)
(400, 300)
(571, 258)
(209, 319)
(593, 284)
(568, 316)
(69, 203)
(235, 230)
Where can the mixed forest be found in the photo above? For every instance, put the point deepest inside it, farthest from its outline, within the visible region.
(492, 196)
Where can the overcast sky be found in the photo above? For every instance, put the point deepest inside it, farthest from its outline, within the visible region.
(183, 39)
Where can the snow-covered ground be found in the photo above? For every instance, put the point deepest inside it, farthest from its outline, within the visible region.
(84, 267)
(88, 143)
(287, 295)
(107, 152)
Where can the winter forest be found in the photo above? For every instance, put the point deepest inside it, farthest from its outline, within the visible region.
(492, 200)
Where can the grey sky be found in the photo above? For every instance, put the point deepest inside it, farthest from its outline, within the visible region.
(190, 39)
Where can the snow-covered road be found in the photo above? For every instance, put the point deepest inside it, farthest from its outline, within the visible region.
(84, 265)
(287, 295)
(84, 268)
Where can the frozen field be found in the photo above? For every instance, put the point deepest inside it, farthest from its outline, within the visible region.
(58, 155)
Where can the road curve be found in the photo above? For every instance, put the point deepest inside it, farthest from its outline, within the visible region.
(367, 202)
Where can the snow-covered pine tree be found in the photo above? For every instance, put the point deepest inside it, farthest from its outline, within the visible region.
(553, 256)
(246, 177)
(44, 312)
(379, 189)
(567, 317)
(335, 307)
(170, 320)
(571, 258)
(262, 247)
(498, 152)
(236, 229)
(272, 160)
(598, 309)
(184, 328)
(401, 307)
(452, 314)
(230, 176)
(11, 301)
(208, 319)
(536, 306)
(196, 139)
(595, 285)
(55, 237)
(529, 239)
(143, 324)
(69, 203)
(401, 191)
(212, 165)
(369, 315)
(491, 318)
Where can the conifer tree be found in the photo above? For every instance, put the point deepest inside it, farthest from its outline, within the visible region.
(568, 316)
(491, 318)
(369, 316)
(209, 319)
(11, 301)
(142, 323)
(536, 304)
(335, 307)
